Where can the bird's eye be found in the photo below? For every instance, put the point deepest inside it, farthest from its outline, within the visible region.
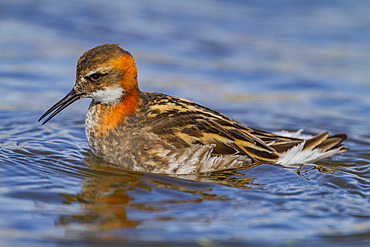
(95, 76)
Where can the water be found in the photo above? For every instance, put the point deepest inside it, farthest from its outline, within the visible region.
(271, 65)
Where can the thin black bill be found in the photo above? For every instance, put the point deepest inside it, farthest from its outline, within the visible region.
(71, 97)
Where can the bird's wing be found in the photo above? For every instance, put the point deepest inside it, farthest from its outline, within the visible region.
(182, 123)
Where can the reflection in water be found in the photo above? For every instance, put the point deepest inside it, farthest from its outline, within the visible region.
(103, 198)
(107, 192)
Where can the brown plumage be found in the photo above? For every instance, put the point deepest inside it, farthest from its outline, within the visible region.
(153, 132)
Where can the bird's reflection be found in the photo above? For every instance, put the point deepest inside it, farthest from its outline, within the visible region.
(107, 192)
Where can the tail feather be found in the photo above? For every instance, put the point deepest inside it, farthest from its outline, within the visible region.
(316, 140)
(310, 150)
(333, 142)
(284, 146)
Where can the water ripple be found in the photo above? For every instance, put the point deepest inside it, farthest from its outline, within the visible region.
(269, 65)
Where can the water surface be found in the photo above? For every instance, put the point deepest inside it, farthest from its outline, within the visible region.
(270, 65)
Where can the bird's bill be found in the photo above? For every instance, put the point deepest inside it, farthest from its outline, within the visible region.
(71, 97)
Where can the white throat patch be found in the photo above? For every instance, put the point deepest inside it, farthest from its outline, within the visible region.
(108, 95)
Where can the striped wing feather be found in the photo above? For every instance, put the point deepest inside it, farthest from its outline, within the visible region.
(182, 123)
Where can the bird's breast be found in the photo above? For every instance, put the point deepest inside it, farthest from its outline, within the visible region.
(114, 144)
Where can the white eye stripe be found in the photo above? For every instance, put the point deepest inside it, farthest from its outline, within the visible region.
(108, 95)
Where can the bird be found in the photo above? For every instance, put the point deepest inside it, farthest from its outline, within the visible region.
(157, 133)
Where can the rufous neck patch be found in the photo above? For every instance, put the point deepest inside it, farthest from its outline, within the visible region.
(113, 115)
(126, 65)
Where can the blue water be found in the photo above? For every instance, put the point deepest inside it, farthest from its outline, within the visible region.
(271, 65)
